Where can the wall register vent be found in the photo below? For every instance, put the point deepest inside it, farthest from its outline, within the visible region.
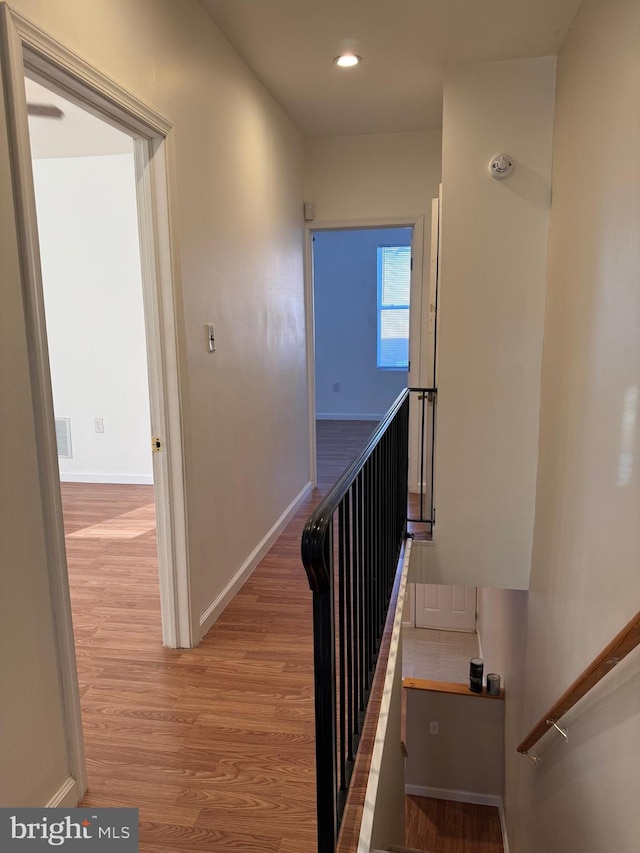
(63, 438)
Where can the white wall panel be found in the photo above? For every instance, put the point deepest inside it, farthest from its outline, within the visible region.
(88, 229)
(491, 311)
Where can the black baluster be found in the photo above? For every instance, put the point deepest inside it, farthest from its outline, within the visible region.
(341, 638)
(361, 595)
(349, 627)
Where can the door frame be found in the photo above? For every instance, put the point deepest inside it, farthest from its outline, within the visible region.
(417, 290)
(27, 49)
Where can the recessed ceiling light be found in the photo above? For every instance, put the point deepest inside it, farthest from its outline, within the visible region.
(347, 60)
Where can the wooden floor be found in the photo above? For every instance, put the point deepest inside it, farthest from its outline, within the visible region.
(215, 745)
(337, 445)
(442, 826)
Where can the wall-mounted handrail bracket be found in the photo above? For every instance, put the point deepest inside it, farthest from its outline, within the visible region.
(563, 732)
(534, 758)
(623, 643)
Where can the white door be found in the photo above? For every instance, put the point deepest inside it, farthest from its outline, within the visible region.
(448, 608)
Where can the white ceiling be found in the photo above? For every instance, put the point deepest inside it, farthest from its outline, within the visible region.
(77, 134)
(405, 45)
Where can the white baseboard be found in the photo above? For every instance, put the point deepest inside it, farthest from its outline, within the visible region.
(463, 797)
(121, 479)
(67, 797)
(219, 603)
(456, 796)
(341, 416)
(503, 824)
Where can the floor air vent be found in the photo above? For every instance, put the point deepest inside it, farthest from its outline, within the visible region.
(63, 437)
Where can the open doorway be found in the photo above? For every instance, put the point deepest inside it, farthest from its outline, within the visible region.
(84, 182)
(85, 193)
(362, 283)
(96, 160)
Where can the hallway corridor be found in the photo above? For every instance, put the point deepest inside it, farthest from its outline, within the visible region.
(215, 745)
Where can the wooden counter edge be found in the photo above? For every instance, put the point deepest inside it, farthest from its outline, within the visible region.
(447, 687)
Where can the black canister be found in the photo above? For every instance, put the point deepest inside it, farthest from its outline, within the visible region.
(476, 669)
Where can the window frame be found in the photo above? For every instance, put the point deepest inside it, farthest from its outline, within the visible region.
(400, 306)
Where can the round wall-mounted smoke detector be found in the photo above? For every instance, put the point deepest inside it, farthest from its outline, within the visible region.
(501, 166)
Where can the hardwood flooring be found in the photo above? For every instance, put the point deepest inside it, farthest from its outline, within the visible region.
(442, 826)
(215, 745)
(337, 445)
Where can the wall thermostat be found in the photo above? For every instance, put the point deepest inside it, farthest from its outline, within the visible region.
(501, 166)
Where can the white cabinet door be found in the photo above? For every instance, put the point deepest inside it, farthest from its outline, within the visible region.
(448, 608)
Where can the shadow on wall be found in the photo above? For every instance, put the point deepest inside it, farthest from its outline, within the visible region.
(530, 186)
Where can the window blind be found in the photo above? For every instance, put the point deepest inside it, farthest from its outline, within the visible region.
(394, 286)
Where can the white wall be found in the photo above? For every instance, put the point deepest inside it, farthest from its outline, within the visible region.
(502, 633)
(502, 626)
(33, 751)
(88, 229)
(467, 754)
(378, 176)
(345, 311)
(585, 583)
(494, 241)
(237, 232)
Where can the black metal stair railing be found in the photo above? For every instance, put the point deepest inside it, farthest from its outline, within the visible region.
(350, 550)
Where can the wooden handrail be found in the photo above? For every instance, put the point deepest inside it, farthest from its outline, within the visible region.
(618, 648)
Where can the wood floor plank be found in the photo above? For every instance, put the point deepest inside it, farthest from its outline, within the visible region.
(175, 838)
(444, 826)
(215, 745)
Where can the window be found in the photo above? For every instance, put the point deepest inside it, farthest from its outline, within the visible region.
(394, 285)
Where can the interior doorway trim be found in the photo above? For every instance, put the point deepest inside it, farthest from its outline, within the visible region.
(416, 356)
(27, 48)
